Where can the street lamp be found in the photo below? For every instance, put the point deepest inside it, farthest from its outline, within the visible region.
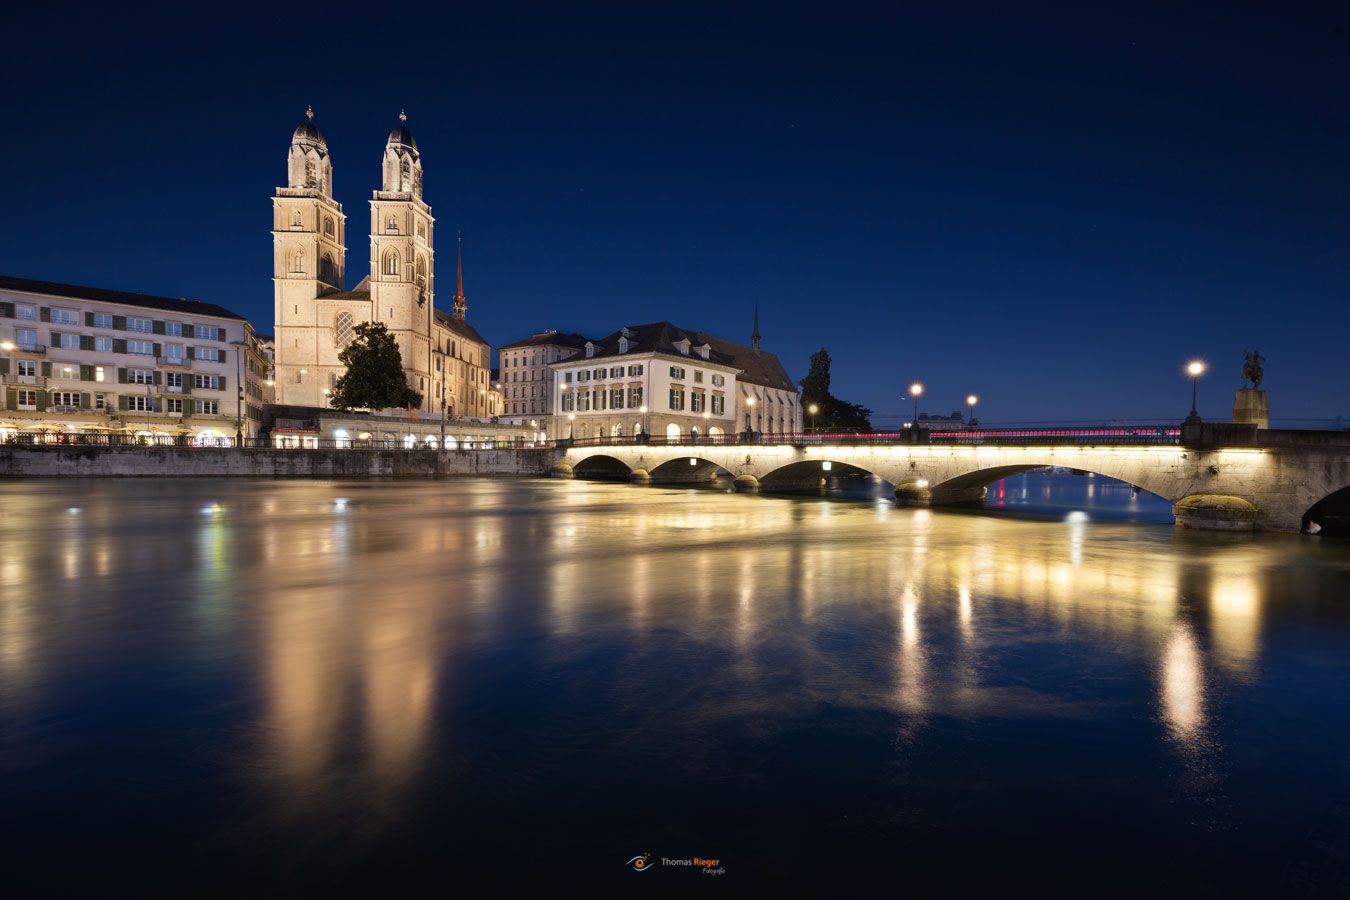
(749, 413)
(915, 391)
(813, 409)
(971, 401)
(571, 417)
(1195, 369)
(643, 411)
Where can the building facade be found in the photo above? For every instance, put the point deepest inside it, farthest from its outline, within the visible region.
(673, 383)
(95, 361)
(527, 377)
(444, 357)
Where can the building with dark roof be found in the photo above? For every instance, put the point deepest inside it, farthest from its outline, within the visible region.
(670, 381)
(526, 376)
(77, 359)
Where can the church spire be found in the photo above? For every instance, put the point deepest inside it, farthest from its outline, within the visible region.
(460, 306)
(754, 336)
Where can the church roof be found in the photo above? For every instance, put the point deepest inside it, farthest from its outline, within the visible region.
(458, 326)
(549, 339)
(757, 366)
(124, 298)
(402, 134)
(308, 131)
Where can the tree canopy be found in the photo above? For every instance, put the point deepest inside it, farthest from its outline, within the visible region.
(374, 378)
(832, 413)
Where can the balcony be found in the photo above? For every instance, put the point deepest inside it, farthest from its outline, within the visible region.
(30, 349)
(173, 362)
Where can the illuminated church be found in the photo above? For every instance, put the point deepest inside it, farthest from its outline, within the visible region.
(444, 357)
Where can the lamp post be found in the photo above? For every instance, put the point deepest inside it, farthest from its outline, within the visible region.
(971, 400)
(1195, 369)
(749, 415)
(643, 411)
(915, 391)
(813, 409)
(571, 418)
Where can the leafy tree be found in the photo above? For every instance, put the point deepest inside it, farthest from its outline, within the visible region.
(832, 413)
(374, 377)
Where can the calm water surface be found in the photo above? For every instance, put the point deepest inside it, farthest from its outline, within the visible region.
(213, 687)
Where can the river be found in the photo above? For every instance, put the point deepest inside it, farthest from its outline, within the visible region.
(285, 687)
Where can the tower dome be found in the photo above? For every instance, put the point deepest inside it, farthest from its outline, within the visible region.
(402, 134)
(308, 133)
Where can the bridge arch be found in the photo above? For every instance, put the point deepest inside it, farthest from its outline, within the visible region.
(1329, 515)
(970, 486)
(688, 470)
(812, 475)
(601, 466)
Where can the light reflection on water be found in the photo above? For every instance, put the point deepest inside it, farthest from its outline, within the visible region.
(338, 675)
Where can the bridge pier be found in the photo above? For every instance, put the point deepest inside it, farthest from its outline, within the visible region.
(1216, 512)
(746, 484)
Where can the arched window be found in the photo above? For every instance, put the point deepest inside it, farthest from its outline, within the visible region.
(392, 224)
(614, 430)
(391, 263)
(344, 330)
(298, 262)
(328, 225)
(421, 229)
(421, 269)
(672, 432)
(296, 220)
(328, 272)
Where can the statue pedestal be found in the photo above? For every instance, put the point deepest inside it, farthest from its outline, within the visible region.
(1251, 407)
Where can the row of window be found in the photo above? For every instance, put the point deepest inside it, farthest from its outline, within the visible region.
(602, 398)
(26, 339)
(69, 401)
(58, 315)
(27, 372)
(601, 373)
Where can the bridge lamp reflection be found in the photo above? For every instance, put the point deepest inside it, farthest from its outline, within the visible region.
(693, 461)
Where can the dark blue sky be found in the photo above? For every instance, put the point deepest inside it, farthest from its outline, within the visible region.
(1054, 207)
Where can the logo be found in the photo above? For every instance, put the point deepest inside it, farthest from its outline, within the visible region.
(640, 863)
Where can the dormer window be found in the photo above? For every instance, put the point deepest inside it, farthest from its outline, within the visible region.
(682, 345)
(705, 351)
(625, 332)
(623, 343)
(590, 349)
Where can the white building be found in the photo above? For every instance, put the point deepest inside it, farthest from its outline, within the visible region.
(444, 357)
(670, 382)
(526, 379)
(96, 361)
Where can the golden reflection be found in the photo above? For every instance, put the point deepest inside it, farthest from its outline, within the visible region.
(912, 694)
(1183, 687)
(1235, 620)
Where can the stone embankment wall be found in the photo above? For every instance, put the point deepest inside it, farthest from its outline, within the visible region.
(183, 462)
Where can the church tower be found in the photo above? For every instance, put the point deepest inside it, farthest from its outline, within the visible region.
(309, 255)
(402, 265)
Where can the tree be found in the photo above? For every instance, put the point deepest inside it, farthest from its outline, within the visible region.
(374, 377)
(832, 413)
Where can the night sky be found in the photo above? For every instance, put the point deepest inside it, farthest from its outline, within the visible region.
(1054, 207)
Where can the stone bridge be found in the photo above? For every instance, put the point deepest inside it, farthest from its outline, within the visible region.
(1217, 476)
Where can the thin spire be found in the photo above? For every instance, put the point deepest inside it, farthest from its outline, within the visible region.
(754, 336)
(309, 113)
(460, 306)
(402, 115)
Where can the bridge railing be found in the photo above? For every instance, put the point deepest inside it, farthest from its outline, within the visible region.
(1142, 435)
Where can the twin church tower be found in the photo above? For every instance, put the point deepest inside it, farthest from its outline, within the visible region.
(443, 356)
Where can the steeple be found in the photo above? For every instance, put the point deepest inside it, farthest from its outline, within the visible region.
(754, 336)
(460, 306)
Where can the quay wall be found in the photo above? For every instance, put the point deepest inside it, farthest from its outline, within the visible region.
(189, 462)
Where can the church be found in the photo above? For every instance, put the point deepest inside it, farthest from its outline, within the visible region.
(444, 357)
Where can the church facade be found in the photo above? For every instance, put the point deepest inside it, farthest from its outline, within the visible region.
(315, 317)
